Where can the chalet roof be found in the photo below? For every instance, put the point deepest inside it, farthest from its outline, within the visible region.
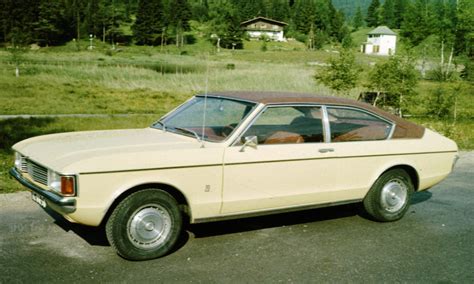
(271, 21)
(404, 128)
(382, 30)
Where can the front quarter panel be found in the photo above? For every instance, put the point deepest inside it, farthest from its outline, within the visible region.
(201, 184)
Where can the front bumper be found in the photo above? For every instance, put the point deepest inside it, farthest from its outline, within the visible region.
(58, 203)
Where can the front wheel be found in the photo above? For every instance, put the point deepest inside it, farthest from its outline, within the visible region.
(389, 197)
(145, 225)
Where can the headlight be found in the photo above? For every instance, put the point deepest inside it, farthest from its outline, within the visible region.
(54, 181)
(64, 185)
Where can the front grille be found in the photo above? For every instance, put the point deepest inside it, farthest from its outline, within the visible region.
(23, 164)
(38, 173)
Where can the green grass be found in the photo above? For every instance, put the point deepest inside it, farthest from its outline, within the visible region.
(151, 81)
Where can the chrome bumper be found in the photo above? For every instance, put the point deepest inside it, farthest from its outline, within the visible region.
(56, 202)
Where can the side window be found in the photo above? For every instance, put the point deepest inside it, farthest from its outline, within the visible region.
(355, 125)
(287, 125)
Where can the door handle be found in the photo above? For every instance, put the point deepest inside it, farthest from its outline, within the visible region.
(326, 150)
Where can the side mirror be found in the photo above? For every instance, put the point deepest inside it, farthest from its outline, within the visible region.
(250, 141)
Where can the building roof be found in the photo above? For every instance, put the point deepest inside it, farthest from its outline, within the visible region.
(404, 128)
(381, 30)
(271, 21)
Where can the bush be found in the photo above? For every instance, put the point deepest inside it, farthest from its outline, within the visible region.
(440, 75)
(440, 103)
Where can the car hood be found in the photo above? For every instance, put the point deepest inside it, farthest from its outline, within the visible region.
(113, 150)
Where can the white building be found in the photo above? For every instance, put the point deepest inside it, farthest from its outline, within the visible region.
(263, 26)
(380, 41)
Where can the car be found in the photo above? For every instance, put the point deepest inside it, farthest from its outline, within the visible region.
(231, 155)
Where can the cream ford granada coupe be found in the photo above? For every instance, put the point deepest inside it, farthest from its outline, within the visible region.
(230, 155)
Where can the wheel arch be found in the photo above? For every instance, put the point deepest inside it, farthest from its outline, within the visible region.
(173, 191)
(410, 170)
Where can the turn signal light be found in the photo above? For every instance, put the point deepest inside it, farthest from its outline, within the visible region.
(68, 186)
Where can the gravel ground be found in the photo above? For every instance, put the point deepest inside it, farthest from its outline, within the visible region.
(434, 242)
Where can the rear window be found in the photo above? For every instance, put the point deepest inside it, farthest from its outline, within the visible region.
(347, 124)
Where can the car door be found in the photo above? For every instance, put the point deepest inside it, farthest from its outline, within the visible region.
(288, 166)
(362, 148)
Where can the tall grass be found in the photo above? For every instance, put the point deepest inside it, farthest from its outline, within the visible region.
(90, 83)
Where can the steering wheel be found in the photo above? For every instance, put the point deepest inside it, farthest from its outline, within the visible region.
(227, 130)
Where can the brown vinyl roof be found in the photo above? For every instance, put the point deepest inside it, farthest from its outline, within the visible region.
(404, 129)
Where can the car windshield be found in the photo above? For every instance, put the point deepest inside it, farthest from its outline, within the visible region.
(221, 117)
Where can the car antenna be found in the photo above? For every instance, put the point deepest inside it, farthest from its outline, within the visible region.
(205, 102)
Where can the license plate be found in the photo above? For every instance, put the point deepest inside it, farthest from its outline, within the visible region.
(38, 199)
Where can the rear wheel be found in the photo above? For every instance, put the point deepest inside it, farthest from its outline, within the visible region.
(145, 225)
(389, 197)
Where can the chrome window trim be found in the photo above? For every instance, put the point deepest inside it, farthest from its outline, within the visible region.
(325, 120)
(326, 125)
(272, 105)
(393, 125)
(214, 97)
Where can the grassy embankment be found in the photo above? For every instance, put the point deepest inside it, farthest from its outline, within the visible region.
(147, 81)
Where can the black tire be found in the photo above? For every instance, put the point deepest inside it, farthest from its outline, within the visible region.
(389, 198)
(145, 225)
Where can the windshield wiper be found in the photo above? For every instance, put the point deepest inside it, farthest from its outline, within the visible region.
(189, 131)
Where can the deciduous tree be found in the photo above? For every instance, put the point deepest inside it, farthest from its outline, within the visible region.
(342, 73)
(395, 77)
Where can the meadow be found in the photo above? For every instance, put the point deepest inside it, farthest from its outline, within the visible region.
(147, 82)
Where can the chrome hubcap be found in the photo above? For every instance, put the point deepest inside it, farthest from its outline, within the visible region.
(149, 226)
(394, 195)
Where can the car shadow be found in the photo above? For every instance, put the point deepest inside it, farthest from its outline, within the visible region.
(271, 221)
(94, 236)
(420, 196)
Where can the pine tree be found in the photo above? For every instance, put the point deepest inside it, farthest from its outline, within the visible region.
(225, 25)
(200, 10)
(279, 10)
(419, 22)
(249, 9)
(323, 16)
(373, 14)
(178, 19)
(48, 28)
(464, 42)
(388, 14)
(149, 24)
(336, 22)
(304, 16)
(399, 7)
(358, 20)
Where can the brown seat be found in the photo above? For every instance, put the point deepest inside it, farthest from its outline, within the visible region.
(284, 137)
(367, 133)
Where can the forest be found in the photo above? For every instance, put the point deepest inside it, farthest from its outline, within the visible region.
(163, 22)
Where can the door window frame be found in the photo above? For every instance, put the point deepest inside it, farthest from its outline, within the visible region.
(326, 115)
(325, 122)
